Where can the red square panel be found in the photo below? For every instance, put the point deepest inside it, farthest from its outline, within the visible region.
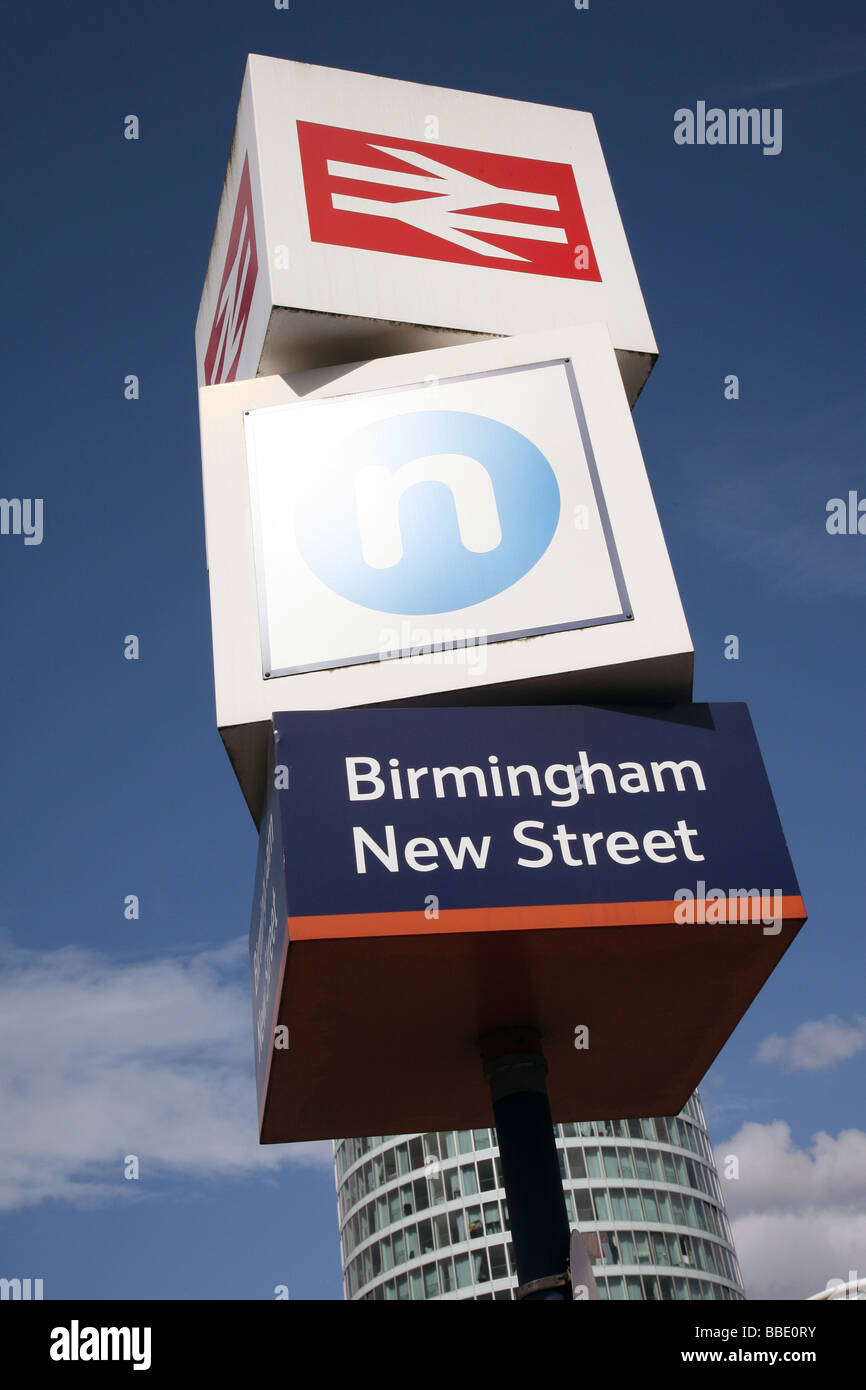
(437, 202)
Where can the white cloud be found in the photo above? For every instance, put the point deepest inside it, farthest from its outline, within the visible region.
(814, 1045)
(102, 1058)
(798, 1214)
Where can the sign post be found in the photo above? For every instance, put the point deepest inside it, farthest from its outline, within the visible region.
(452, 669)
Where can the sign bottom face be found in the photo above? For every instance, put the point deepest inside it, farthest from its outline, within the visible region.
(383, 1032)
(617, 879)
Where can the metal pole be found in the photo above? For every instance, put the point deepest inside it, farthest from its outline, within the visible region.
(515, 1070)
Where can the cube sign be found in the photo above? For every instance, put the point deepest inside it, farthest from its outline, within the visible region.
(617, 879)
(439, 525)
(362, 217)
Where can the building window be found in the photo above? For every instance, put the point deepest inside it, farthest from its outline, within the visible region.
(486, 1175)
(462, 1271)
(470, 1181)
(492, 1222)
(480, 1266)
(498, 1262)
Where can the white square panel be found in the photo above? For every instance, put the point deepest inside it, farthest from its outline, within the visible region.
(465, 525)
(395, 519)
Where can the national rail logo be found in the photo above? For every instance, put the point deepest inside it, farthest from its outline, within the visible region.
(439, 202)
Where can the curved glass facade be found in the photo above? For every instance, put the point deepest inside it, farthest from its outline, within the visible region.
(425, 1216)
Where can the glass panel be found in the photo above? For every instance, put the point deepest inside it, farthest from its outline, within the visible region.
(626, 1163)
(416, 1152)
(452, 1184)
(387, 1254)
(665, 1209)
(419, 1194)
(651, 1287)
(648, 1128)
(656, 1164)
(446, 1144)
(625, 1241)
(616, 1286)
(481, 1138)
(425, 1236)
(602, 1205)
(642, 1246)
(394, 1205)
(406, 1200)
(390, 1290)
(416, 1283)
(486, 1176)
(633, 1286)
(593, 1163)
(470, 1181)
(618, 1204)
(413, 1249)
(464, 1141)
(652, 1208)
(474, 1222)
(440, 1230)
(462, 1271)
(576, 1163)
(660, 1250)
(390, 1160)
(457, 1221)
(634, 1129)
(446, 1276)
(611, 1167)
(402, 1158)
(431, 1146)
(431, 1282)
(480, 1266)
(492, 1223)
(635, 1207)
(583, 1205)
(398, 1241)
(609, 1247)
(498, 1262)
(403, 1286)
(437, 1189)
(667, 1286)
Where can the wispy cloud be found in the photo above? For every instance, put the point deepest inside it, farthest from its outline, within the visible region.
(101, 1059)
(831, 72)
(798, 1214)
(815, 1044)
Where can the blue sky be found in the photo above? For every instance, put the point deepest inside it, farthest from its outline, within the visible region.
(123, 1037)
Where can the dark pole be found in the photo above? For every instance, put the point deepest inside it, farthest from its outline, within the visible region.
(515, 1070)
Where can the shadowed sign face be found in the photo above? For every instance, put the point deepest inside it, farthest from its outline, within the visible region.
(420, 198)
(236, 291)
(617, 878)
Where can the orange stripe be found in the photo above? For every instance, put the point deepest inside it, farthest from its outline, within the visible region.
(476, 919)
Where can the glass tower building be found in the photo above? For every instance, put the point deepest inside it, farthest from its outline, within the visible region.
(425, 1216)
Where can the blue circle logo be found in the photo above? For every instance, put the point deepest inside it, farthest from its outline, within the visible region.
(428, 512)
